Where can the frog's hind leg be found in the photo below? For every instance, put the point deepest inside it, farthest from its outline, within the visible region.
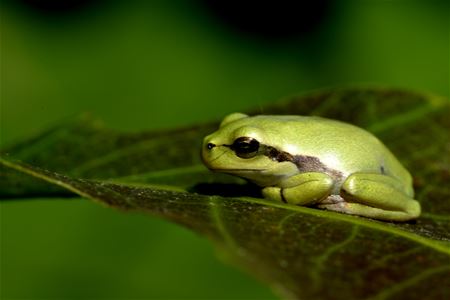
(376, 196)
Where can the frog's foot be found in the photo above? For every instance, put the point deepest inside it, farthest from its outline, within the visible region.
(332, 199)
(366, 211)
(376, 196)
(301, 189)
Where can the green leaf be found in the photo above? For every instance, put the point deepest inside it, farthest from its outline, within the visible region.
(300, 252)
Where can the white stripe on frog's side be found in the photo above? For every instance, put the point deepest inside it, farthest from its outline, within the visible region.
(304, 164)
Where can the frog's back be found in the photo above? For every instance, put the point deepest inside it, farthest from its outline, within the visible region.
(338, 145)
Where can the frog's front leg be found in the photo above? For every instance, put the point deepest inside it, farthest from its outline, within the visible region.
(301, 189)
(376, 196)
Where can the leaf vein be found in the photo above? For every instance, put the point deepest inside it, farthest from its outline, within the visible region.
(400, 286)
(321, 259)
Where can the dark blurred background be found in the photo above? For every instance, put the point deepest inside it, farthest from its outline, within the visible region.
(157, 64)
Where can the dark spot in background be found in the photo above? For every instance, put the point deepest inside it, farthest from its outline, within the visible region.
(271, 20)
(55, 6)
(59, 11)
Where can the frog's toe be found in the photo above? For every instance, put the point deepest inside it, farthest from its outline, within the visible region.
(272, 193)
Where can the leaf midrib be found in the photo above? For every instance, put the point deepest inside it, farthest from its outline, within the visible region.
(443, 247)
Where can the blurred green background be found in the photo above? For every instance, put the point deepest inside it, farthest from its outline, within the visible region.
(157, 64)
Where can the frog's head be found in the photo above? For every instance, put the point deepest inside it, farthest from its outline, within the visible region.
(242, 146)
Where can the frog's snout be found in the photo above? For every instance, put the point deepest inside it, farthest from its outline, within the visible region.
(208, 145)
(206, 153)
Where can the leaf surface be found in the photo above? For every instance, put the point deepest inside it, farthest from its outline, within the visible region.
(300, 252)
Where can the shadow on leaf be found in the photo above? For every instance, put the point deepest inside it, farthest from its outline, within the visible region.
(227, 190)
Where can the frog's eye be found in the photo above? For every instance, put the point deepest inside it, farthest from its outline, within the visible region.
(245, 147)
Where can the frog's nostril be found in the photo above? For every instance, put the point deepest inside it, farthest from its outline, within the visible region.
(210, 146)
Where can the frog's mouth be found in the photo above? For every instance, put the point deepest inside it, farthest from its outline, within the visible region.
(258, 176)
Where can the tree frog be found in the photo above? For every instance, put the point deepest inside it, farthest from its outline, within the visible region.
(313, 161)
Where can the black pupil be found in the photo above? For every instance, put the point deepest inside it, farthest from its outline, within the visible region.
(245, 147)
